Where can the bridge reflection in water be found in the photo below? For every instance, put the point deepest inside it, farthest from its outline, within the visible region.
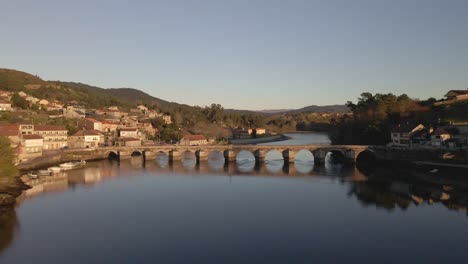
(386, 189)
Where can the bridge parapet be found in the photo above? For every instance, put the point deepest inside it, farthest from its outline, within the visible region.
(230, 152)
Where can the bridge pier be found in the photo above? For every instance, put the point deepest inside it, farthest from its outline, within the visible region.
(319, 156)
(174, 155)
(288, 155)
(260, 155)
(229, 155)
(201, 155)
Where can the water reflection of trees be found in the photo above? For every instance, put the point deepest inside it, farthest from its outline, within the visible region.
(391, 189)
(8, 225)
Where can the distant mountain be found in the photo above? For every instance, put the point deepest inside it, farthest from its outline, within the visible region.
(275, 111)
(307, 109)
(323, 109)
(129, 95)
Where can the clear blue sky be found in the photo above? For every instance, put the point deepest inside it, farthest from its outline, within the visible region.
(247, 54)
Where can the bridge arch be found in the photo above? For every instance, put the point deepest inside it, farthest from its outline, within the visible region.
(136, 153)
(245, 156)
(274, 155)
(335, 156)
(304, 156)
(112, 155)
(366, 158)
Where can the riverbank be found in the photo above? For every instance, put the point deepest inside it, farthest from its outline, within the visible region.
(10, 189)
(259, 140)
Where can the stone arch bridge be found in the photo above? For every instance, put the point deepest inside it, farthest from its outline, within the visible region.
(230, 152)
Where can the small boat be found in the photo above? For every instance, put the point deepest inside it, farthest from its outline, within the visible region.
(55, 169)
(67, 165)
(434, 171)
(43, 173)
(32, 174)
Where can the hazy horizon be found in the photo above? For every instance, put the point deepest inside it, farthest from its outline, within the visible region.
(252, 55)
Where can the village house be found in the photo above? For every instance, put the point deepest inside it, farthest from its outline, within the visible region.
(193, 140)
(26, 128)
(113, 108)
(55, 137)
(130, 132)
(6, 95)
(439, 136)
(74, 111)
(5, 105)
(32, 100)
(259, 131)
(22, 94)
(401, 134)
(43, 102)
(90, 123)
(12, 133)
(31, 147)
(55, 106)
(142, 108)
(86, 139)
(458, 95)
(145, 125)
(454, 96)
(167, 119)
(110, 127)
(130, 142)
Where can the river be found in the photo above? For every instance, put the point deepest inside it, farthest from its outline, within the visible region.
(155, 212)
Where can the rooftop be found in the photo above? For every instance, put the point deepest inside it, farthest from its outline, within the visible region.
(33, 136)
(49, 128)
(7, 130)
(83, 133)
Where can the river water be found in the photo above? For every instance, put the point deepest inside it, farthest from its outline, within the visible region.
(155, 212)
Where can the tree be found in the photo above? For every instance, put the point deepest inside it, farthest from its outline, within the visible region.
(7, 168)
(18, 101)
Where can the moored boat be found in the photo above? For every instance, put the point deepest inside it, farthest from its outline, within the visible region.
(43, 173)
(55, 169)
(32, 174)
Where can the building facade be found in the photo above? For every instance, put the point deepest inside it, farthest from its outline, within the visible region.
(55, 137)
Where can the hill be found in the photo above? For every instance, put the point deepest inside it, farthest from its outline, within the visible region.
(323, 109)
(88, 95)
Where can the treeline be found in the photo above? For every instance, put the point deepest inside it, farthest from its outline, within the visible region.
(7, 168)
(374, 116)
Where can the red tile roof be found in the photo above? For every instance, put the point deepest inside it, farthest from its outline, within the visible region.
(93, 120)
(33, 136)
(194, 137)
(128, 129)
(8, 130)
(49, 128)
(82, 133)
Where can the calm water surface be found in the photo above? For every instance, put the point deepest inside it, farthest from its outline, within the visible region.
(241, 213)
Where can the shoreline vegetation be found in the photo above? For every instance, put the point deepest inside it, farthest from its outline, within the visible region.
(11, 186)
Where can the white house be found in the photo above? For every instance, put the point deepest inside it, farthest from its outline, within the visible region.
(55, 137)
(439, 137)
(401, 134)
(5, 105)
(193, 140)
(129, 132)
(31, 147)
(85, 139)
